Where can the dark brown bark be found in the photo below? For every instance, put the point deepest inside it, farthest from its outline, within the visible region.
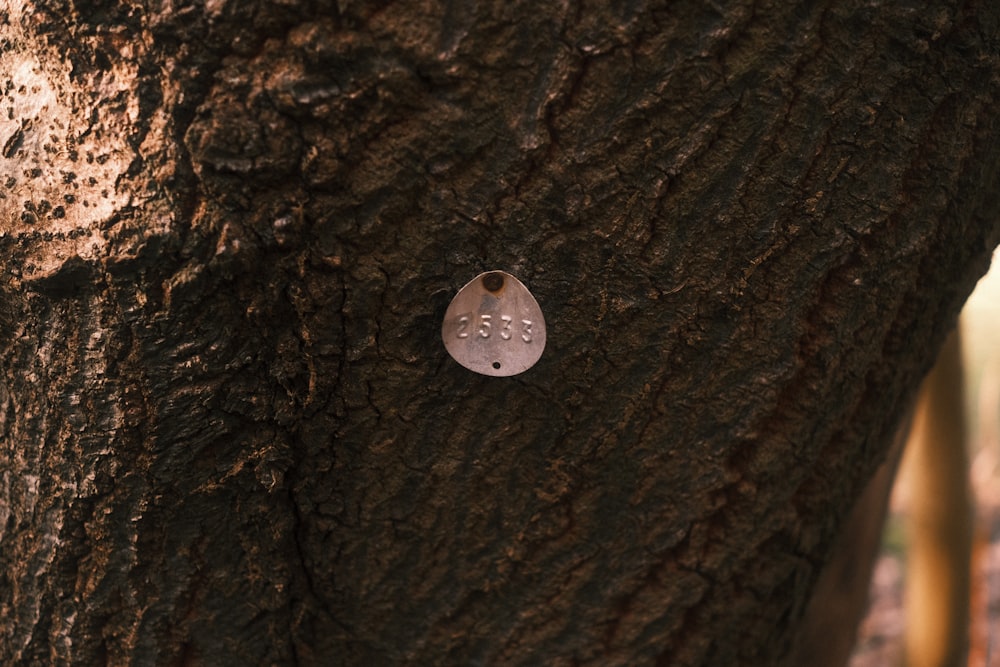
(828, 632)
(230, 230)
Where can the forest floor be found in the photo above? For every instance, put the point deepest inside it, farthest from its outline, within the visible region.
(880, 636)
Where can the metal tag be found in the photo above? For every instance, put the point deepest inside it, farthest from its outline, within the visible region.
(494, 326)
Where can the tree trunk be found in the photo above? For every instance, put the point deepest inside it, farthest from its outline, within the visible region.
(939, 519)
(231, 433)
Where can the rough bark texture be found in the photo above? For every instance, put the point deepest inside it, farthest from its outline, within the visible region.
(229, 231)
(828, 632)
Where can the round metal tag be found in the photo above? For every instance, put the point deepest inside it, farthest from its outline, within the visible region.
(494, 326)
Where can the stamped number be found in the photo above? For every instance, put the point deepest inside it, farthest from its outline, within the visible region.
(485, 328)
(484, 325)
(526, 330)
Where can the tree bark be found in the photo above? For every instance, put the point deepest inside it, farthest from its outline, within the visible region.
(230, 230)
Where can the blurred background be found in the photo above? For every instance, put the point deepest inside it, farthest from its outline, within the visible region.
(881, 636)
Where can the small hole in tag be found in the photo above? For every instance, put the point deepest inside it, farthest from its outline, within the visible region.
(496, 365)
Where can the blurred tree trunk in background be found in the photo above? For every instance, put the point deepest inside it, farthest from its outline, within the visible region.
(229, 232)
(939, 519)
